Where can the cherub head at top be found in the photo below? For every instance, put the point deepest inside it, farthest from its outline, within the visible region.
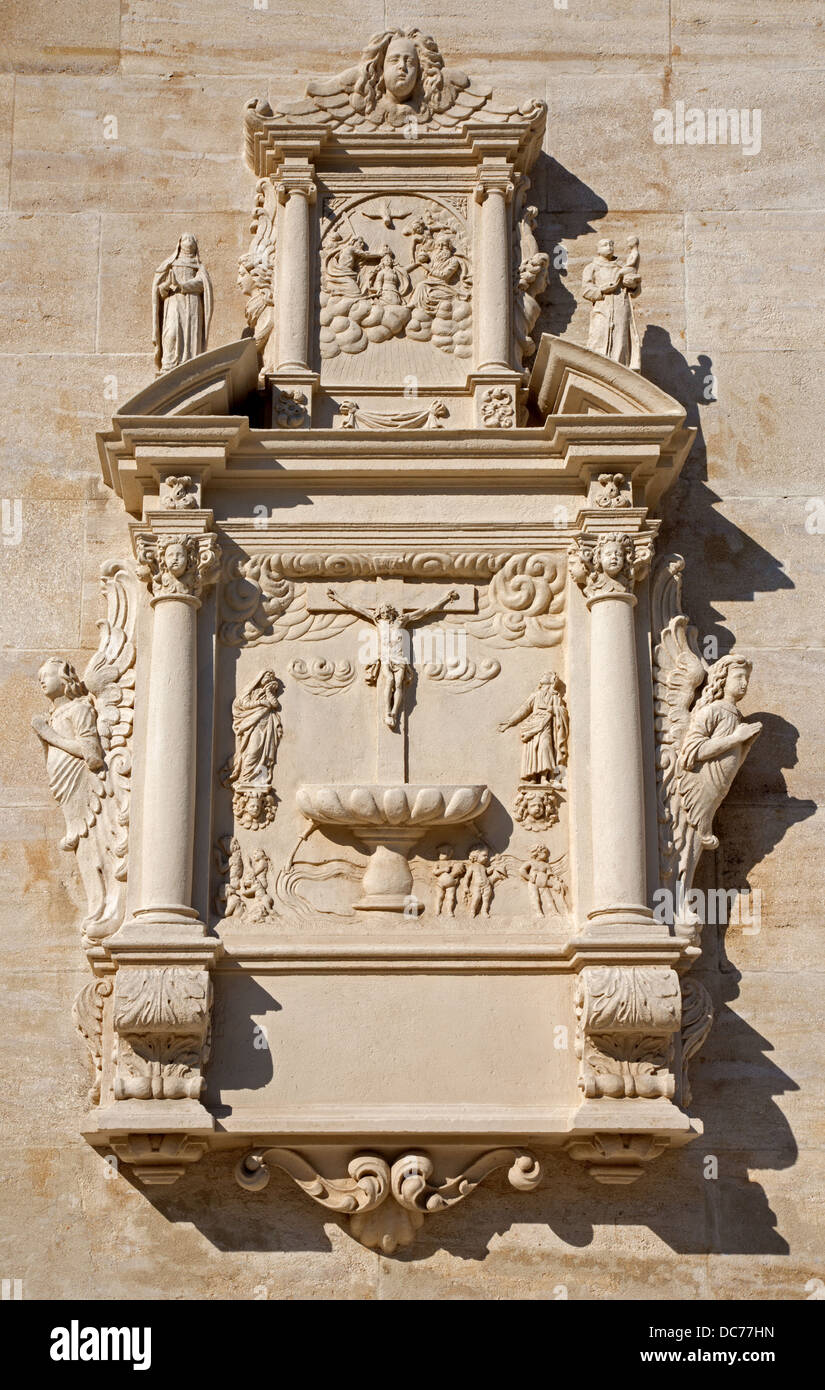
(401, 71)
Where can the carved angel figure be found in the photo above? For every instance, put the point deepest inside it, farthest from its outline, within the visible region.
(702, 743)
(257, 727)
(400, 75)
(256, 269)
(545, 730)
(181, 306)
(531, 269)
(86, 740)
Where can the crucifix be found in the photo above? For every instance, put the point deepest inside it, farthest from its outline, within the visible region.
(392, 607)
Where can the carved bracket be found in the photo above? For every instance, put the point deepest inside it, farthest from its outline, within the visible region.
(387, 1203)
(162, 1020)
(626, 1018)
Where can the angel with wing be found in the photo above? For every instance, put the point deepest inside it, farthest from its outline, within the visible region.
(702, 742)
(86, 740)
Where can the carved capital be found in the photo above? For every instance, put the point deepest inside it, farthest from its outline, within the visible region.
(177, 566)
(609, 565)
(298, 182)
(162, 1020)
(494, 176)
(626, 1017)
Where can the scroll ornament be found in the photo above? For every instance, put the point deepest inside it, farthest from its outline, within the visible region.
(387, 1203)
(264, 598)
(626, 1020)
(702, 740)
(87, 741)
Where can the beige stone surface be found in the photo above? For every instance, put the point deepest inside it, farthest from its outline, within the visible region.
(769, 264)
(39, 37)
(732, 249)
(176, 144)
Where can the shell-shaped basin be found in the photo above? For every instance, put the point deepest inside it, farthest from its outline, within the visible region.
(392, 804)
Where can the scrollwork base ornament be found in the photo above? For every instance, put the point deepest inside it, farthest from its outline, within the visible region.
(387, 1203)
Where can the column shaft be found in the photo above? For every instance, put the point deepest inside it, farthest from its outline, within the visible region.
(293, 282)
(494, 289)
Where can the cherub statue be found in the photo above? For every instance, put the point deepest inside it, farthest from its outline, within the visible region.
(547, 889)
(392, 670)
(229, 861)
(448, 873)
(255, 886)
(481, 876)
(86, 737)
(703, 741)
(545, 730)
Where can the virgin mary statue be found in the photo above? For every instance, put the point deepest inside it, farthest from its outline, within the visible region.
(181, 306)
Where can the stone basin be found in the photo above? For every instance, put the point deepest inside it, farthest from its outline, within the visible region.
(390, 819)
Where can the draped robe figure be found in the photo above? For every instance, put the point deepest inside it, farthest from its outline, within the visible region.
(544, 732)
(181, 306)
(257, 727)
(610, 288)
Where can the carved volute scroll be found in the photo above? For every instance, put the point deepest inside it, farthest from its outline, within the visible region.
(405, 692)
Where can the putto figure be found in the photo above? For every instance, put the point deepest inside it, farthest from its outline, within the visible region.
(86, 737)
(392, 670)
(610, 288)
(702, 745)
(257, 727)
(547, 889)
(448, 873)
(181, 306)
(482, 875)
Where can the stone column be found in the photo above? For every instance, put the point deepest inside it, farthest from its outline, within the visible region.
(606, 567)
(494, 192)
(176, 565)
(296, 191)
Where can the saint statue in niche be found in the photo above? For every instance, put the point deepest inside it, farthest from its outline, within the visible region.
(545, 731)
(392, 670)
(257, 727)
(181, 306)
(610, 288)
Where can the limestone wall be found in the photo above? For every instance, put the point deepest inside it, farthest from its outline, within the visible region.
(732, 247)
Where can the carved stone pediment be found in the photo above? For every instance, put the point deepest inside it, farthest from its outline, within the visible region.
(408, 705)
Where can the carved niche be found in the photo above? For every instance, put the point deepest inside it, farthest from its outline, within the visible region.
(383, 825)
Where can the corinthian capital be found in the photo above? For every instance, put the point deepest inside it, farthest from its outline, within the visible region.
(176, 566)
(609, 565)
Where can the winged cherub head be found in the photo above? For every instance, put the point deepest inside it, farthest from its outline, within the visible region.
(401, 70)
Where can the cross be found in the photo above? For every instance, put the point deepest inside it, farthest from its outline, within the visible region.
(392, 606)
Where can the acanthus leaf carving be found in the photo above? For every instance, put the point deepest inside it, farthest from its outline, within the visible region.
(626, 1019)
(87, 1014)
(162, 1020)
(697, 1021)
(87, 742)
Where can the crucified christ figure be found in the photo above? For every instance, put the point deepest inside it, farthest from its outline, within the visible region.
(392, 667)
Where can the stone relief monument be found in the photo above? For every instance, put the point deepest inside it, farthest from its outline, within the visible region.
(308, 833)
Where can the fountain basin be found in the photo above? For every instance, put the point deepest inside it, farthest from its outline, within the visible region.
(390, 819)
